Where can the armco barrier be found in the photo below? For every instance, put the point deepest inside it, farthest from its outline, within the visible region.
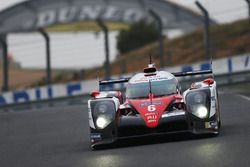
(48, 93)
(55, 102)
(222, 80)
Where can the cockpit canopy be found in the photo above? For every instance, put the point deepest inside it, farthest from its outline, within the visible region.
(162, 84)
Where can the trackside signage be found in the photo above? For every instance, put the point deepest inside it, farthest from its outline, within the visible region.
(31, 15)
(44, 93)
(88, 12)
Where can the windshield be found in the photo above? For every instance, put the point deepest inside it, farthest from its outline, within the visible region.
(158, 88)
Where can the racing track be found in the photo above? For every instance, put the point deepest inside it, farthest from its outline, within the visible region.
(59, 138)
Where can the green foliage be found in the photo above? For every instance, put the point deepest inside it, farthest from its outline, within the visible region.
(138, 35)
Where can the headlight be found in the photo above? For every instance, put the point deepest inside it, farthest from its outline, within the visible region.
(103, 113)
(201, 112)
(103, 108)
(102, 122)
(198, 103)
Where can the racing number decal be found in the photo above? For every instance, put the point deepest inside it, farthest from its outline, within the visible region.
(151, 108)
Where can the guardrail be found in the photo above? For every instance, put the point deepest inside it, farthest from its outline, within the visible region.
(55, 102)
(222, 80)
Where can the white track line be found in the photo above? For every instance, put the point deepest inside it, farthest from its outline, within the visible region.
(244, 97)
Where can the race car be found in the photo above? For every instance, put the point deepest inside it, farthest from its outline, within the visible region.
(153, 104)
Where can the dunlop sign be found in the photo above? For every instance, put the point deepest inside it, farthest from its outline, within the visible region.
(31, 15)
(66, 15)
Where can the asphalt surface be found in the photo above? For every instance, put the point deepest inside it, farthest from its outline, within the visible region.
(58, 137)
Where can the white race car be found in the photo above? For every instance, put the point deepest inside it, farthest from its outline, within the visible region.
(153, 104)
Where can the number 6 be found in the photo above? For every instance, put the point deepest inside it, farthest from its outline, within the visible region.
(151, 108)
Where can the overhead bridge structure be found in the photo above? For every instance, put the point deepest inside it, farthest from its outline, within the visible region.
(37, 15)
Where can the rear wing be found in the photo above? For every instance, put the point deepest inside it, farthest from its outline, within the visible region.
(110, 83)
(191, 73)
(178, 74)
(113, 81)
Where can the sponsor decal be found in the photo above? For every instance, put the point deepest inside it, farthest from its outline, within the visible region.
(212, 125)
(151, 121)
(151, 117)
(159, 79)
(141, 80)
(88, 12)
(152, 79)
(95, 136)
(150, 103)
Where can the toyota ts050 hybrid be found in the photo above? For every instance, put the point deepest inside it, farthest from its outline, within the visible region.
(153, 104)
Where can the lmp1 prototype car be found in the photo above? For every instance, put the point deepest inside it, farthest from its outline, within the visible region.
(153, 104)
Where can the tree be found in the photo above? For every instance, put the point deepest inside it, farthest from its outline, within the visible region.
(139, 34)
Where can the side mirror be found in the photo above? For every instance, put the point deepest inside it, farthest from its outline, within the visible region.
(94, 93)
(209, 81)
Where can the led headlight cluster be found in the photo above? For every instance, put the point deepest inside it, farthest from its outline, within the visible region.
(198, 103)
(103, 114)
(200, 111)
(102, 122)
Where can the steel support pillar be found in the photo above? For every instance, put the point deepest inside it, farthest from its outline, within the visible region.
(248, 3)
(106, 42)
(206, 27)
(48, 55)
(3, 41)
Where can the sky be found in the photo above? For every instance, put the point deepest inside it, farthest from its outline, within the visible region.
(85, 50)
(222, 11)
